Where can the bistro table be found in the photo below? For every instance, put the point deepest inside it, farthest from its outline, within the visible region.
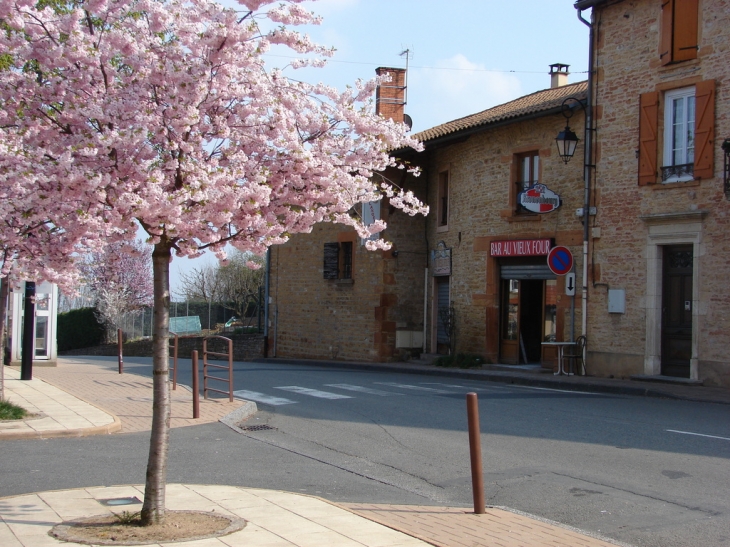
(561, 346)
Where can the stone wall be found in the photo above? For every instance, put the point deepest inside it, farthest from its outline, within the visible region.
(245, 347)
(630, 230)
(482, 172)
(349, 319)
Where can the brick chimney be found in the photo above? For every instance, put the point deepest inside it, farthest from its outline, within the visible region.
(558, 75)
(390, 97)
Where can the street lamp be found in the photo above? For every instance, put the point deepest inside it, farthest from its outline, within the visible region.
(567, 140)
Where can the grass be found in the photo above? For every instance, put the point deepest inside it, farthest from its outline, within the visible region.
(460, 360)
(9, 411)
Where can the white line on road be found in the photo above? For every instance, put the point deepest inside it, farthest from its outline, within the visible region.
(558, 390)
(362, 389)
(698, 434)
(262, 398)
(417, 388)
(313, 392)
(480, 387)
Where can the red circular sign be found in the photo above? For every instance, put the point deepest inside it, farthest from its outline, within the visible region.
(560, 260)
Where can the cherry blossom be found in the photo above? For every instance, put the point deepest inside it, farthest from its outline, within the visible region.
(162, 114)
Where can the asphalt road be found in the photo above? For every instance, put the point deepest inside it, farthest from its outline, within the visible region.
(644, 471)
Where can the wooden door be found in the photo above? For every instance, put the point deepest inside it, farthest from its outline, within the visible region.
(677, 310)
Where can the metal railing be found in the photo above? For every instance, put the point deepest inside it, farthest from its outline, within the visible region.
(207, 365)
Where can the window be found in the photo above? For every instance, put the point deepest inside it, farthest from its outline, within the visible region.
(370, 213)
(443, 201)
(688, 134)
(679, 35)
(528, 174)
(679, 135)
(338, 260)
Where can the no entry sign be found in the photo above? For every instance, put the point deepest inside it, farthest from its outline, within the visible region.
(560, 260)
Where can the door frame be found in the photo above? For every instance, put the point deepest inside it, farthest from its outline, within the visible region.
(667, 230)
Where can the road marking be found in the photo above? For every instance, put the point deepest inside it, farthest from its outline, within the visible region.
(480, 387)
(417, 388)
(313, 392)
(362, 389)
(698, 434)
(558, 390)
(262, 398)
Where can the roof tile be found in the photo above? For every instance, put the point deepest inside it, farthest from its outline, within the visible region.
(539, 101)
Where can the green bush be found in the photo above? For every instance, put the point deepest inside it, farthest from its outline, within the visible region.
(79, 329)
(9, 411)
(460, 360)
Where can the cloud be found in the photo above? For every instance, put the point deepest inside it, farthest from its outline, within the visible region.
(454, 88)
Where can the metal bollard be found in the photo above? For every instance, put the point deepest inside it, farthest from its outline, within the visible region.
(196, 392)
(475, 451)
(119, 351)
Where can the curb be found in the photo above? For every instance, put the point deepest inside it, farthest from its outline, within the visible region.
(107, 429)
(243, 412)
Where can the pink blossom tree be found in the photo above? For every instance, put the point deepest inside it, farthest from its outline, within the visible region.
(161, 114)
(119, 279)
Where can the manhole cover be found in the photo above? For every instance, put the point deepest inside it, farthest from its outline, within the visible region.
(257, 428)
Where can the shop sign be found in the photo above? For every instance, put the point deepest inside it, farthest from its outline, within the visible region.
(441, 260)
(520, 247)
(538, 198)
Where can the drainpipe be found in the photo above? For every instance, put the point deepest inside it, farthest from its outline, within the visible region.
(587, 166)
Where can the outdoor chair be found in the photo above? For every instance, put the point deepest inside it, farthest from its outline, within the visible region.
(574, 356)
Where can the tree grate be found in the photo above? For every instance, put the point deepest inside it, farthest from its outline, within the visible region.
(258, 428)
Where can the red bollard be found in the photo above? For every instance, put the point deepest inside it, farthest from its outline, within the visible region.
(475, 451)
(119, 351)
(196, 392)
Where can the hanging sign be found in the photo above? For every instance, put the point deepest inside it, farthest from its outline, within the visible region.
(538, 198)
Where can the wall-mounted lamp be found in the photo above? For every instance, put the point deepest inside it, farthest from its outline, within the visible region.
(567, 140)
(726, 167)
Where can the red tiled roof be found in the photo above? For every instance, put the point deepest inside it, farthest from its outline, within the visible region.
(540, 101)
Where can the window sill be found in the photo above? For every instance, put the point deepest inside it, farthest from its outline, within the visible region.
(674, 184)
(344, 281)
(444, 228)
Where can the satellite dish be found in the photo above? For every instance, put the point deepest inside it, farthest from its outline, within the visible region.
(408, 121)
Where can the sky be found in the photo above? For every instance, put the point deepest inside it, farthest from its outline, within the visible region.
(465, 55)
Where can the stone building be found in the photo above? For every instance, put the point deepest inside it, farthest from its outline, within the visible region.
(658, 303)
(500, 198)
(330, 298)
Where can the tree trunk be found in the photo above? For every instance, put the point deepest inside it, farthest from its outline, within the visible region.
(3, 322)
(153, 509)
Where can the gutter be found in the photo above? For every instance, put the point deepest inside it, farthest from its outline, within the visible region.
(585, 4)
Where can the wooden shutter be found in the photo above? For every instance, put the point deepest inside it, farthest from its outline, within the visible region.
(686, 21)
(648, 126)
(331, 260)
(704, 129)
(665, 41)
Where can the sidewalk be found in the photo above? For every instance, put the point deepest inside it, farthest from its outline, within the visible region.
(275, 519)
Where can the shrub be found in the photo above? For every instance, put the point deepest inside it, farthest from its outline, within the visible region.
(79, 329)
(9, 411)
(460, 360)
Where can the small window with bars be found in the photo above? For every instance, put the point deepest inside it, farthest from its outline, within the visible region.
(338, 260)
(528, 174)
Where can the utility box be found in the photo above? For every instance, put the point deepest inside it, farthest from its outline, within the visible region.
(616, 301)
(408, 339)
